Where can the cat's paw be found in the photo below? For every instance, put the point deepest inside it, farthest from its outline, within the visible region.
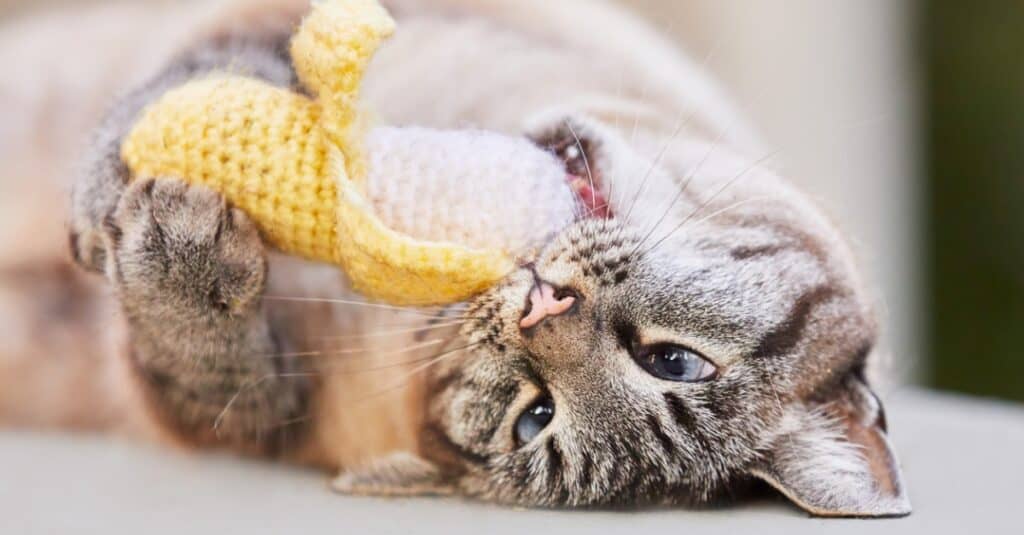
(182, 249)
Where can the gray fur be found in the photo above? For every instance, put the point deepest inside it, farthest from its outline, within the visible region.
(189, 271)
(764, 290)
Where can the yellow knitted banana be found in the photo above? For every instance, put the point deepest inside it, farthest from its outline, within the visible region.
(297, 165)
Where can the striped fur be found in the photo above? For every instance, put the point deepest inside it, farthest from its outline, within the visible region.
(707, 247)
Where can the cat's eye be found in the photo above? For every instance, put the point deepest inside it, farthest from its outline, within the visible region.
(676, 363)
(534, 419)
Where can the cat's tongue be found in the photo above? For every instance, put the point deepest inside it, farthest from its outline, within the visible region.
(589, 196)
(474, 188)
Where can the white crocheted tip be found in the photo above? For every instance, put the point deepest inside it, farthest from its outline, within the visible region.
(474, 188)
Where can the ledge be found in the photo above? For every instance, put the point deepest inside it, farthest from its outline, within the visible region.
(963, 462)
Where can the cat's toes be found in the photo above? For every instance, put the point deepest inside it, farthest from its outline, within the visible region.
(87, 247)
(185, 243)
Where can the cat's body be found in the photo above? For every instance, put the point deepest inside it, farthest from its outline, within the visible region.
(705, 250)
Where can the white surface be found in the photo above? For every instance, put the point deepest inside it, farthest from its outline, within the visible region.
(963, 461)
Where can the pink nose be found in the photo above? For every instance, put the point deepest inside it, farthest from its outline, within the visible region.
(543, 303)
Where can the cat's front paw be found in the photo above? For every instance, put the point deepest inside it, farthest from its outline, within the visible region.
(181, 249)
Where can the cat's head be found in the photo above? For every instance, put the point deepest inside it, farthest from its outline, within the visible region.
(717, 336)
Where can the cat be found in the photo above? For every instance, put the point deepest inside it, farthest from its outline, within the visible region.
(709, 331)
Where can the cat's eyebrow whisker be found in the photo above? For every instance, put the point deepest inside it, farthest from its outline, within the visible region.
(657, 160)
(737, 204)
(713, 215)
(851, 125)
(711, 199)
(705, 61)
(686, 183)
(388, 332)
(715, 144)
(733, 206)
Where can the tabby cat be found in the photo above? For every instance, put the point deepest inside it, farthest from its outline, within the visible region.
(702, 328)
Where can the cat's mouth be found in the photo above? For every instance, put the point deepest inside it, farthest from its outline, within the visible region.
(589, 195)
(583, 176)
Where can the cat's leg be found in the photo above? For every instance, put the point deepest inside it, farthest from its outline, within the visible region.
(189, 271)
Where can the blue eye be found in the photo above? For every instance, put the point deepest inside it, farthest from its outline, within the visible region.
(676, 363)
(534, 419)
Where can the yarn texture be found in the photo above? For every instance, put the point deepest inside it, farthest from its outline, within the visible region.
(300, 168)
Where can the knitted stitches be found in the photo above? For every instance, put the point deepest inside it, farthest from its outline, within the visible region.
(471, 187)
(298, 166)
(258, 146)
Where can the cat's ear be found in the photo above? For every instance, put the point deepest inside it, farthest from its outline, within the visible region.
(398, 474)
(833, 458)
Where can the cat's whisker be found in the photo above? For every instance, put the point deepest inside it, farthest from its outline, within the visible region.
(353, 351)
(711, 199)
(227, 406)
(440, 314)
(389, 332)
(775, 393)
(850, 125)
(719, 42)
(733, 206)
(424, 323)
(436, 359)
(290, 421)
(342, 370)
(656, 161)
(715, 144)
(431, 360)
(586, 163)
(319, 371)
(713, 215)
(686, 183)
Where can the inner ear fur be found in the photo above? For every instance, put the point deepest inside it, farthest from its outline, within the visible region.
(832, 456)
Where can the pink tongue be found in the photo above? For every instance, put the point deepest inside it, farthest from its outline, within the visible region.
(591, 198)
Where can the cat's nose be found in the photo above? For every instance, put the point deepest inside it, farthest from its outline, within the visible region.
(545, 300)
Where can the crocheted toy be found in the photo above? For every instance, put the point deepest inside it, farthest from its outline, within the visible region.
(414, 216)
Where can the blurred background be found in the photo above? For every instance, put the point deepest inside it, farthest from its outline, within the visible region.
(905, 119)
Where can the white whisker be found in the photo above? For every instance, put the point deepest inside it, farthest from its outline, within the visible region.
(355, 351)
(418, 369)
(227, 406)
(682, 188)
(411, 310)
(683, 120)
(710, 199)
(586, 163)
(389, 332)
